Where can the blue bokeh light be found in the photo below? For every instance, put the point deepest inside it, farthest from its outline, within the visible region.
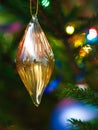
(92, 36)
(52, 85)
(70, 108)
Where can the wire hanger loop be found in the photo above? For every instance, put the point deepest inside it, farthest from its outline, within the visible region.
(36, 12)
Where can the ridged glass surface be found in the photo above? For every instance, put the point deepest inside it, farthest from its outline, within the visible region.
(34, 60)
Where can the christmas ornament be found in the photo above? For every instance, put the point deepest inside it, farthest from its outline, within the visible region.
(34, 60)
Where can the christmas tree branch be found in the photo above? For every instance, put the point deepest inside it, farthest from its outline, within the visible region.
(82, 125)
(87, 95)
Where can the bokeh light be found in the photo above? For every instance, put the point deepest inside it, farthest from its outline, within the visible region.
(92, 35)
(45, 3)
(78, 40)
(70, 29)
(80, 76)
(52, 85)
(84, 51)
(82, 85)
(70, 108)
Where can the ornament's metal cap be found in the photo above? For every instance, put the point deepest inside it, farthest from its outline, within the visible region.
(34, 19)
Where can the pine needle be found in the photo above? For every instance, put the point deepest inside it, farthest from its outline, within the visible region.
(82, 125)
(86, 95)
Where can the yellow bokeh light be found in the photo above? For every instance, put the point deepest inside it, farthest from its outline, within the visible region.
(77, 43)
(70, 29)
(77, 40)
(84, 51)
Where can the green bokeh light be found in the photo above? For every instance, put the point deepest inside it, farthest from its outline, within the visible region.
(45, 3)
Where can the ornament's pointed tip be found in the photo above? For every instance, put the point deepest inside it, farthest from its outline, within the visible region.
(36, 100)
(37, 105)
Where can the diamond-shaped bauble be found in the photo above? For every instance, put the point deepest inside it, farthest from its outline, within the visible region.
(34, 60)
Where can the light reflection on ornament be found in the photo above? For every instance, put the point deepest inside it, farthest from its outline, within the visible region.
(84, 51)
(70, 108)
(70, 29)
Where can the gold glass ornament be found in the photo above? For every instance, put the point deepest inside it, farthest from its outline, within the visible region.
(34, 60)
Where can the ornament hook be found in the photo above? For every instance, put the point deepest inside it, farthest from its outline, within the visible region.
(31, 8)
